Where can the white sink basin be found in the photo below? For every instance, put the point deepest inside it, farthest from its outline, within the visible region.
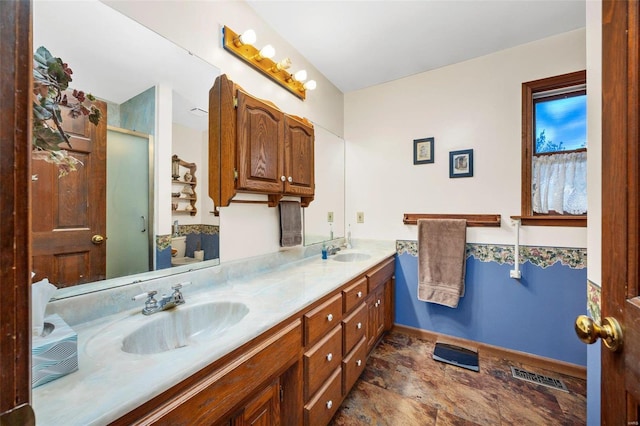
(183, 326)
(351, 257)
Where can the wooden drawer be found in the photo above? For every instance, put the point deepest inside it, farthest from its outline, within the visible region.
(326, 402)
(380, 274)
(354, 327)
(354, 294)
(353, 365)
(320, 320)
(321, 360)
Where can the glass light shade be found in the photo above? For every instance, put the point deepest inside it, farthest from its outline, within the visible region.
(248, 37)
(310, 85)
(300, 75)
(268, 51)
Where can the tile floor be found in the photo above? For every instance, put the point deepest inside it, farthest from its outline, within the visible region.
(402, 385)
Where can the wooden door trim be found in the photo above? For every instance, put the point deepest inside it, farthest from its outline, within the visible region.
(15, 252)
(620, 184)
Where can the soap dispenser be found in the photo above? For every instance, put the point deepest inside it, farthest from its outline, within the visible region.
(324, 250)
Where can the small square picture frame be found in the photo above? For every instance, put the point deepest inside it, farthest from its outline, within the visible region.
(461, 163)
(423, 151)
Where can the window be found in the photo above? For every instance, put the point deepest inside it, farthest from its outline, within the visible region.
(554, 151)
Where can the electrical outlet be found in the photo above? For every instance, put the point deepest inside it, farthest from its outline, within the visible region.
(330, 217)
(360, 217)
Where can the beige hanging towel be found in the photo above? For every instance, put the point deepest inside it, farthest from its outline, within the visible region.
(441, 260)
(290, 224)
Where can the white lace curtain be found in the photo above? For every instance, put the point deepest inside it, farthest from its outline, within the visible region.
(559, 183)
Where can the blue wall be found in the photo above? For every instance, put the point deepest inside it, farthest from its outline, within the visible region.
(534, 315)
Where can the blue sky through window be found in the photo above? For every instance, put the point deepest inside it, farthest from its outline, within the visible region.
(562, 120)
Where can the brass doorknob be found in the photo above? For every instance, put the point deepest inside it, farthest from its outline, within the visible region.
(610, 332)
(97, 239)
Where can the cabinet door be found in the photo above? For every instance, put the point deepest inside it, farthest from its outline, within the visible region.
(298, 152)
(263, 410)
(375, 320)
(260, 157)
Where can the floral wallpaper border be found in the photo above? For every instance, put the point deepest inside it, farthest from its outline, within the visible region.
(164, 241)
(575, 258)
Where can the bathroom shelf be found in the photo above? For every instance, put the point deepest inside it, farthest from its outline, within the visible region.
(178, 166)
(473, 220)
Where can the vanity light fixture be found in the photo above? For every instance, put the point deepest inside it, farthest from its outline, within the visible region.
(260, 59)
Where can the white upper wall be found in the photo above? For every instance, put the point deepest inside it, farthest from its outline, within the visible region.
(471, 105)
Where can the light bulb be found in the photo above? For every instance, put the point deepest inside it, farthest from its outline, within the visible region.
(248, 37)
(266, 52)
(310, 85)
(300, 75)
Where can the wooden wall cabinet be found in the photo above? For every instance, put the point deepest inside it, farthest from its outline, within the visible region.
(255, 147)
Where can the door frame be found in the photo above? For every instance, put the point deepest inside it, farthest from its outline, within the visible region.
(620, 187)
(16, 51)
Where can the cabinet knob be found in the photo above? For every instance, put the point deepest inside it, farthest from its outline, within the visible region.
(290, 179)
(359, 325)
(329, 404)
(283, 178)
(379, 301)
(329, 356)
(359, 294)
(330, 317)
(359, 362)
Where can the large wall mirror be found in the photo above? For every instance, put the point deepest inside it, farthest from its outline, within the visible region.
(145, 81)
(324, 218)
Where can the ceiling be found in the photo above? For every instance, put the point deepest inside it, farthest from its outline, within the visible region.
(357, 44)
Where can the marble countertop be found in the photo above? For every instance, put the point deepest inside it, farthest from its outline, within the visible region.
(111, 382)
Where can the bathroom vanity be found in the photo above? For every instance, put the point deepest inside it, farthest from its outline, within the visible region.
(279, 339)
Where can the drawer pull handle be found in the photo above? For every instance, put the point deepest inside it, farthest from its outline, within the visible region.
(329, 356)
(330, 317)
(359, 325)
(329, 404)
(359, 362)
(359, 294)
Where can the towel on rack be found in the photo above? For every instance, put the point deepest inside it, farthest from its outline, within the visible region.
(290, 224)
(441, 260)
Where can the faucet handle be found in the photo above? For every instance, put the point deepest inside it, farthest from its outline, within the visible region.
(180, 285)
(145, 295)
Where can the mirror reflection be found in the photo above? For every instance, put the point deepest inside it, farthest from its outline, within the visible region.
(155, 98)
(324, 218)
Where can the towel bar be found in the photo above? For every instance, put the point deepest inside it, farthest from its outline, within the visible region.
(472, 219)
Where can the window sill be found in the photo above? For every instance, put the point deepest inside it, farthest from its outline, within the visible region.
(570, 221)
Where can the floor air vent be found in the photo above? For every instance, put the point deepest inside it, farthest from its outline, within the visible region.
(455, 355)
(539, 379)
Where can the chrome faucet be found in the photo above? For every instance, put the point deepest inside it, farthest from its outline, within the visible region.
(151, 305)
(331, 250)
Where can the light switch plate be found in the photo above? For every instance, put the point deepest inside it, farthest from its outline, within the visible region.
(360, 217)
(330, 217)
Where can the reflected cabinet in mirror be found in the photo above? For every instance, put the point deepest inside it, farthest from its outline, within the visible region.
(112, 221)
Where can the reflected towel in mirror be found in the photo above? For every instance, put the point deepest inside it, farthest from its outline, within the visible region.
(290, 224)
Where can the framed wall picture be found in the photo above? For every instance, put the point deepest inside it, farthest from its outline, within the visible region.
(423, 151)
(461, 163)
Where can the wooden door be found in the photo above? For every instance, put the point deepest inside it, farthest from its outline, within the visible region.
(620, 391)
(15, 262)
(68, 213)
(260, 132)
(298, 157)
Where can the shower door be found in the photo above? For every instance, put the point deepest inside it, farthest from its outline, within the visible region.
(129, 224)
